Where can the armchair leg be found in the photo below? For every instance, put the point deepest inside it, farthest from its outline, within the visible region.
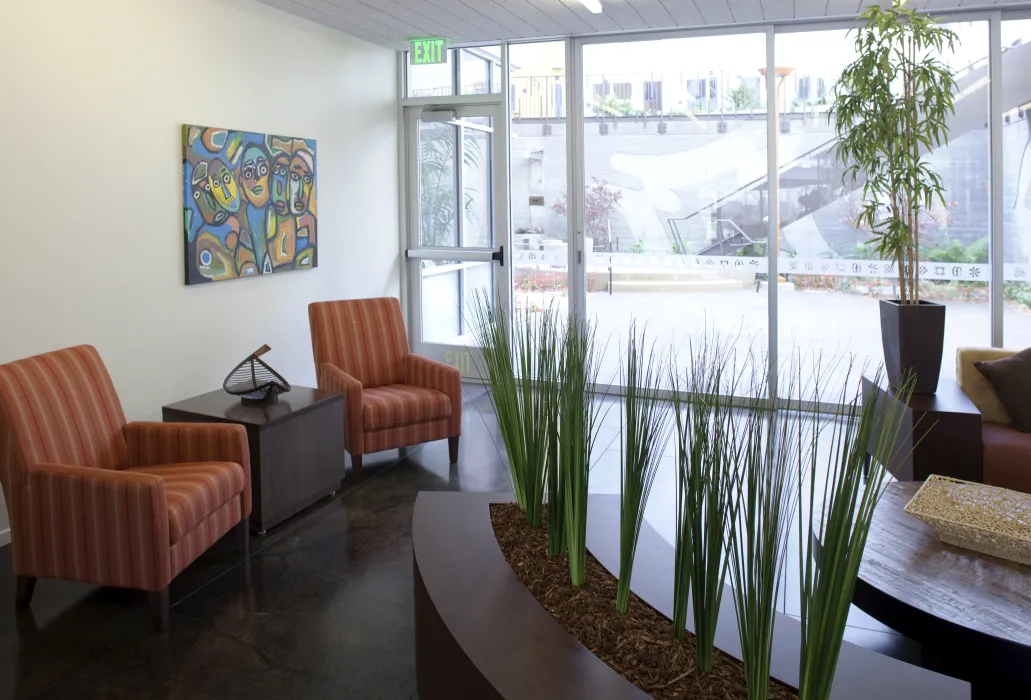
(356, 467)
(159, 609)
(243, 529)
(23, 593)
(452, 448)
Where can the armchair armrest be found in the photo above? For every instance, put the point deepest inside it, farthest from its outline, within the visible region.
(421, 371)
(332, 378)
(99, 525)
(156, 444)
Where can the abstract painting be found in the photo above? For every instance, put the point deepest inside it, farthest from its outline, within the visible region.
(249, 205)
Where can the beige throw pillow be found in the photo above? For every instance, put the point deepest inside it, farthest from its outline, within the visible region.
(977, 387)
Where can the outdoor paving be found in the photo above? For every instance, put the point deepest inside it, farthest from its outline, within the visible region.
(832, 326)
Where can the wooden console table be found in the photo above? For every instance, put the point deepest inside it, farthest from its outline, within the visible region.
(945, 428)
(296, 445)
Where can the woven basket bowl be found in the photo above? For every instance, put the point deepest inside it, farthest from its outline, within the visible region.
(985, 519)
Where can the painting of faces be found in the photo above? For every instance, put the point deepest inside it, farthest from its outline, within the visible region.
(248, 204)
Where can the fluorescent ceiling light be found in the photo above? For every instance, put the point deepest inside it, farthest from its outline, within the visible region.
(593, 5)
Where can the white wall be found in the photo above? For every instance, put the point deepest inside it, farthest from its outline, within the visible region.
(92, 98)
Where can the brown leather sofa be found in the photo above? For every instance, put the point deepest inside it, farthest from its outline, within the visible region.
(1007, 451)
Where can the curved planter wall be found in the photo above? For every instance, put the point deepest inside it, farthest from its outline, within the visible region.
(480, 634)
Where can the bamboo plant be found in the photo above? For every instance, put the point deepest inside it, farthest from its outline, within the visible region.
(890, 108)
(644, 432)
(840, 522)
(703, 416)
(577, 422)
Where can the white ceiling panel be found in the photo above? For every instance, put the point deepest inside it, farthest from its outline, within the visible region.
(653, 12)
(598, 22)
(500, 14)
(684, 12)
(488, 29)
(535, 14)
(747, 10)
(624, 14)
(715, 11)
(324, 12)
(842, 8)
(809, 9)
(431, 19)
(569, 21)
(393, 22)
(778, 10)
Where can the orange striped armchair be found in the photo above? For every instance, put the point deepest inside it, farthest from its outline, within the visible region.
(93, 498)
(394, 398)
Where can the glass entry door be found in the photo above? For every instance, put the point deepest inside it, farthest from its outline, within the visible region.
(457, 226)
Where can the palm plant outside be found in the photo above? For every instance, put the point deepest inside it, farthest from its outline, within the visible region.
(890, 108)
(438, 182)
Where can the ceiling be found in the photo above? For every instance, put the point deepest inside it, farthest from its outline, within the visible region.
(392, 23)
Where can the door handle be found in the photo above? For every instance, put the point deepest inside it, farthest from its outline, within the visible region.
(498, 256)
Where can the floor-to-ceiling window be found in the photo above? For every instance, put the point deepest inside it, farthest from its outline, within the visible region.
(540, 236)
(675, 220)
(1016, 186)
(675, 207)
(830, 276)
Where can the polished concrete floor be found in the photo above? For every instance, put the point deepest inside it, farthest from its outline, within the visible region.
(322, 607)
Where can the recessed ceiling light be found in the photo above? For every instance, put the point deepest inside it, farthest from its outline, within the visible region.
(593, 5)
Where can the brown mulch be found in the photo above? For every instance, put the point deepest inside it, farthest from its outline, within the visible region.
(639, 645)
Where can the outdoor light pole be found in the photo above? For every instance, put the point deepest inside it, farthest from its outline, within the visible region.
(774, 206)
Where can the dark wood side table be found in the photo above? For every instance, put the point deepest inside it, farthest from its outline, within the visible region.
(296, 445)
(969, 611)
(945, 428)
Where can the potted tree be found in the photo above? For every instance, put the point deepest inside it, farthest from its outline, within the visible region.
(891, 107)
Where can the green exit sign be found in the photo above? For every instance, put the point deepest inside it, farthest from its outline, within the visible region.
(427, 51)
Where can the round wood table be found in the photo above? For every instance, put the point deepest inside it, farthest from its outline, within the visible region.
(970, 612)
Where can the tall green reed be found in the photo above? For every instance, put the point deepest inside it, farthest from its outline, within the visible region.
(577, 423)
(644, 432)
(766, 475)
(833, 533)
(521, 367)
(703, 414)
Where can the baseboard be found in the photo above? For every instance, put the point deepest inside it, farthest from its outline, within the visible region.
(5, 537)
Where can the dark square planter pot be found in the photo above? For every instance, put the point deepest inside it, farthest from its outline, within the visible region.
(913, 336)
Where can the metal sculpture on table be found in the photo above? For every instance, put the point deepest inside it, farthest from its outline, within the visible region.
(254, 381)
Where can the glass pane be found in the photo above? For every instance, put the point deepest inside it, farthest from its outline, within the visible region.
(1016, 189)
(676, 208)
(476, 183)
(830, 278)
(449, 292)
(455, 204)
(438, 184)
(479, 67)
(538, 179)
(432, 80)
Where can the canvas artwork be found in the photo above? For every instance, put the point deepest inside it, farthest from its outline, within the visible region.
(249, 205)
